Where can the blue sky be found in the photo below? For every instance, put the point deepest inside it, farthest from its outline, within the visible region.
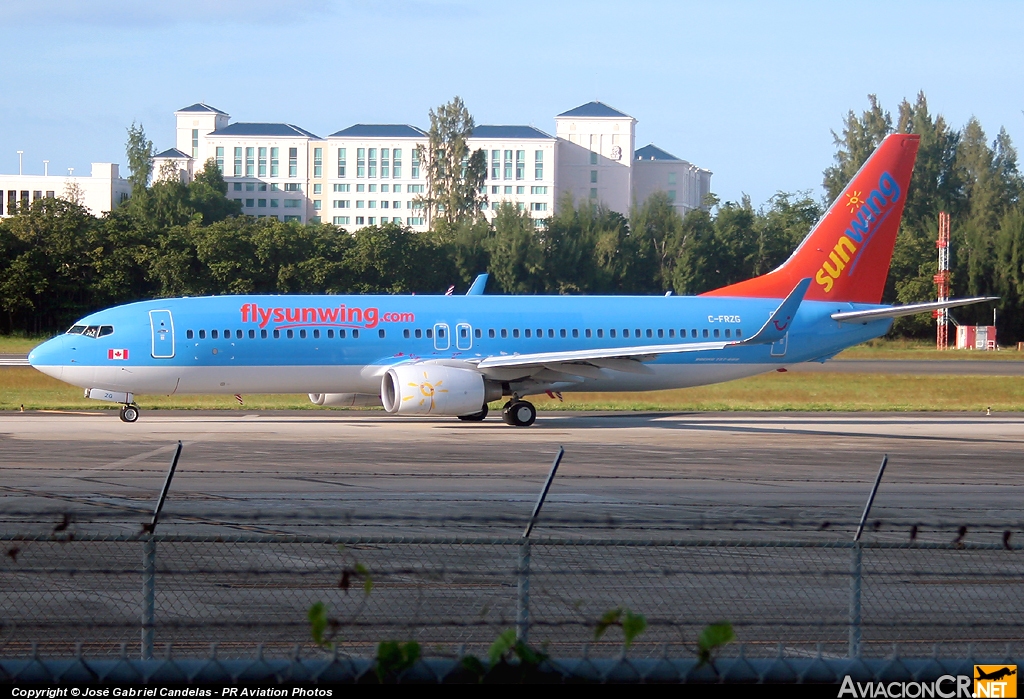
(750, 90)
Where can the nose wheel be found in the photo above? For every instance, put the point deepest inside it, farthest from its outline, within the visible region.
(129, 413)
(519, 413)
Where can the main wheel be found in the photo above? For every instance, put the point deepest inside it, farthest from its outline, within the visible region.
(129, 413)
(475, 417)
(519, 414)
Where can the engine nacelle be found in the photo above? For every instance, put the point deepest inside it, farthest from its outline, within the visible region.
(348, 400)
(432, 389)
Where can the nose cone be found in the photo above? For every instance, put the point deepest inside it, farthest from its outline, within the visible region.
(50, 357)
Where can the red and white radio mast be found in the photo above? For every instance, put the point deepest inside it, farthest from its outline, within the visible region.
(942, 282)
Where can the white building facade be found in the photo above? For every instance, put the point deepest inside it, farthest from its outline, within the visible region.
(103, 191)
(370, 174)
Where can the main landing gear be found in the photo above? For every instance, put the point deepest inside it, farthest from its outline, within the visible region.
(129, 413)
(475, 417)
(519, 413)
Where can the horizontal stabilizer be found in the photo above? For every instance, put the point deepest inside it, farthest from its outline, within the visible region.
(908, 310)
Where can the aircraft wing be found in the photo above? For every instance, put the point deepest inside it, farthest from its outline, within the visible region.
(907, 310)
(629, 358)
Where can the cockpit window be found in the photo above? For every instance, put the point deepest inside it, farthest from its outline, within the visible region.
(91, 330)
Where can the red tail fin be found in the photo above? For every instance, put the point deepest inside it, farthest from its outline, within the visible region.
(848, 253)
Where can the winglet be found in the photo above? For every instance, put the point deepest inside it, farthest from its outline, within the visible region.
(477, 289)
(778, 324)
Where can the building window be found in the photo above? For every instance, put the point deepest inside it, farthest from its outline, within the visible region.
(250, 162)
(318, 162)
(385, 162)
(317, 205)
(292, 203)
(249, 203)
(396, 205)
(414, 221)
(396, 188)
(372, 220)
(274, 203)
(293, 162)
(293, 218)
(261, 203)
(538, 190)
(317, 188)
(341, 163)
(341, 220)
(539, 206)
(342, 188)
(396, 165)
(593, 192)
(593, 177)
(238, 162)
(237, 186)
(415, 188)
(360, 220)
(273, 161)
(360, 204)
(292, 187)
(672, 195)
(671, 178)
(520, 164)
(593, 158)
(341, 203)
(373, 204)
(538, 165)
(195, 143)
(508, 190)
(250, 186)
(360, 162)
(372, 163)
(220, 159)
(263, 162)
(520, 190)
(508, 165)
(495, 164)
(373, 188)
(415, 163)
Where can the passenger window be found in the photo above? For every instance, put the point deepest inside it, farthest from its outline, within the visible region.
(490, 333)
(561, 333)
(277, 334)
(693, 333)
(611, 333)
(661, 333)
(600, 332)
(586, 332)
(238, 334)
(189, 334)
(479, 333)
(625, 332)
(405, 333)
(575, 332)
(716, 332)
(739, 333)
(213, 334)
(330, 334)
(380, 333)
(515, 332)
(526, 333)
(540, 332)
(252, 334)
(106, 330)
(419, 333)
(263, 334)
(430, 333)
(341, 334)
(316, 334)
(705, 332)
(291, 334)
(671, 332)
(551, 332)
(355, 334)
(227, 334)
(440, 333)
(504, 332)
(637, 334)
(651, 334)
(202, 334)
(463, 333)
(302, 333)
(727, 332)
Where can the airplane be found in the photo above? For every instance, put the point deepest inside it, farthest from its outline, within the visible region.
(452, 355)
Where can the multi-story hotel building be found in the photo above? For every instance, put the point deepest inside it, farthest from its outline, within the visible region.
(370, 174)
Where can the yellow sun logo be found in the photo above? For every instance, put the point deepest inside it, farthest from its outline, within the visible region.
(426, 390)
(853, 200)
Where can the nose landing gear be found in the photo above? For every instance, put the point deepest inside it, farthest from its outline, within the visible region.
(129, 412)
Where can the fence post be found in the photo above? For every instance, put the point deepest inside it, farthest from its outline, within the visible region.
(523, 597)
(148, 595)
(855, 580)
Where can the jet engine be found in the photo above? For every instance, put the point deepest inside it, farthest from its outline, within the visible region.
(348, 400)
(431, 389)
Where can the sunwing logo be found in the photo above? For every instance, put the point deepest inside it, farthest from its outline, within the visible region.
(873, 210)
(336, 315)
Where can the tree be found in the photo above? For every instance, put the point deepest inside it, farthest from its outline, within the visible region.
(140, 152)
(455, 177)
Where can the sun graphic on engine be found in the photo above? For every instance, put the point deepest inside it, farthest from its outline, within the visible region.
(427, 391)
(853, 200)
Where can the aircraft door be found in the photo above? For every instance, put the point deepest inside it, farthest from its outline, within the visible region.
(779, 346)
(163, 334)
(441, 339)
(464, 336)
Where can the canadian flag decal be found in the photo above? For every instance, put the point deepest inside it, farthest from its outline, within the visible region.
(117, 354)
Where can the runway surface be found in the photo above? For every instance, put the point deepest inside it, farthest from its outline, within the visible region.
(650, 470)
(638, 496)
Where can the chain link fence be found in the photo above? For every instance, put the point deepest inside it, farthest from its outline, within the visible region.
(457, 594)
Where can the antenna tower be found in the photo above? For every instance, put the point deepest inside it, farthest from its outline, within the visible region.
(942, 282)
